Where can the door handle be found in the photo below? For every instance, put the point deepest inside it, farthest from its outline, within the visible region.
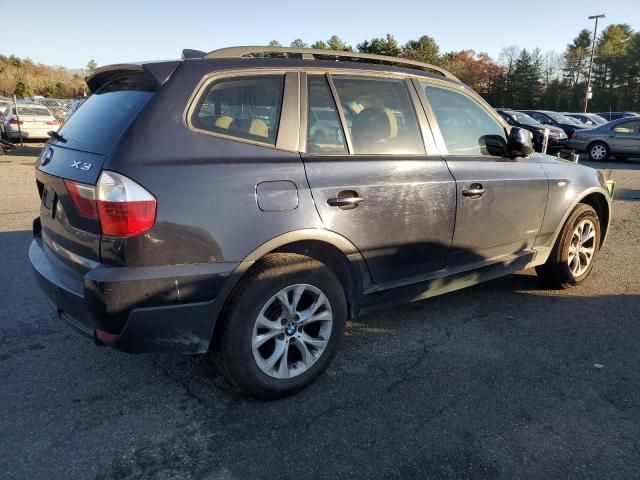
(345, 202)
(475, 191)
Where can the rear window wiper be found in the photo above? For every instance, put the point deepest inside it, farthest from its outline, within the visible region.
(57, 136)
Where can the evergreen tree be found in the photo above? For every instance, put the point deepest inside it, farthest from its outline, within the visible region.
(425, 49)
(381, 46)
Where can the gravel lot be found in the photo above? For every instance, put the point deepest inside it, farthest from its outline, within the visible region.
(503, 380)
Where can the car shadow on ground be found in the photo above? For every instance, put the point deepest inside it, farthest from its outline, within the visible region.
(500, 379)
(627, 194)
(26, 151)
(612, 164)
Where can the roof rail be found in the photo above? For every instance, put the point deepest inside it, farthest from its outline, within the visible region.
(310, 54)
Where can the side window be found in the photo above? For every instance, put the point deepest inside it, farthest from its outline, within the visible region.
(243, 107)
(627, 127)
(379, 115)
(324, 132)
(464, 124)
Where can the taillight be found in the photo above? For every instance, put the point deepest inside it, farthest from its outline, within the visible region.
(123, 207)
(52, 122)
(84, 198)
(13, 121)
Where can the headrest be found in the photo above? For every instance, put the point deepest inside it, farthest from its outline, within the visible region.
(223, 121)
(374, 125)
(252, 126)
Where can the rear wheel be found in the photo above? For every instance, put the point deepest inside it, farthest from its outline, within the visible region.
(282, 326)
(599, 152)
(572, 257)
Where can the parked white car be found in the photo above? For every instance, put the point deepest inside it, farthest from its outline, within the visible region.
(35, 121)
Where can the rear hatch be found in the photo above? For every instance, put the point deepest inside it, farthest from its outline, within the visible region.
(70, 165)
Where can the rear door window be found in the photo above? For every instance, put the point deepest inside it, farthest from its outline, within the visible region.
(628, 127)
(380, 116)
(106, 114)
(244, 107)
(324, 132)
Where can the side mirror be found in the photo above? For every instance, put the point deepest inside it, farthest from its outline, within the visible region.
(494, 145)
(520, 143)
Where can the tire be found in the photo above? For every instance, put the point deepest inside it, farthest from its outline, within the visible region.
(599, 152)
(253, 370)
(559, 271)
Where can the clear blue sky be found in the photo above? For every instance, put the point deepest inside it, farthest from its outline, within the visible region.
(70, 32)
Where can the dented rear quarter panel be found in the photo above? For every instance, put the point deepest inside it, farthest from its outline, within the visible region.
(205, 186)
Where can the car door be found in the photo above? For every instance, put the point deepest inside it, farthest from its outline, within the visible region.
(624, 137)
(372, 179)
(500, 201)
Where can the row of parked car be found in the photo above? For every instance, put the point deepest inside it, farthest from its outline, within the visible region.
(601, 135)
(34, 117)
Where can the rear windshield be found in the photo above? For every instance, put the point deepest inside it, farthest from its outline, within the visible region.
(32, 111)
(103, 117)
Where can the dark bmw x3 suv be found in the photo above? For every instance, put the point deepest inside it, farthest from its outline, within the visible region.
(247, 205)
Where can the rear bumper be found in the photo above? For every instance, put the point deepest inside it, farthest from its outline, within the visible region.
(135, 309)
(555, 145)
(13, 132)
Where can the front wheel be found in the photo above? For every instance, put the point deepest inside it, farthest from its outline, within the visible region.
(572, 257)
(282, 326)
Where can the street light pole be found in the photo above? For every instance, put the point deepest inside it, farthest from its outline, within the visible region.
(593, 49)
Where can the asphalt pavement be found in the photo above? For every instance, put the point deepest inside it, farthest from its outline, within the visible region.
(502, 380)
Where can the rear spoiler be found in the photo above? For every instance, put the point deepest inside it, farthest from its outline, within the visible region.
(160, 71)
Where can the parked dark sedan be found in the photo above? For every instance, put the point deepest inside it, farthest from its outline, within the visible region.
(609, 116)
(589, 119)
(620, 138)
(554, 119)
(557, 138)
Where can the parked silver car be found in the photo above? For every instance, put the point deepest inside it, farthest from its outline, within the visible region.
(30, 121)
(620, 138)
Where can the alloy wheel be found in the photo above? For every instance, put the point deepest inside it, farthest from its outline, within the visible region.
(292, 331)
(581, 248)
(598, 152)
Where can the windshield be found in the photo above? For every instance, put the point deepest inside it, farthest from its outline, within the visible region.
(526, 119)
(561, 118)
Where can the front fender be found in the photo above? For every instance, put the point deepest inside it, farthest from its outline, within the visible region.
(544, 248)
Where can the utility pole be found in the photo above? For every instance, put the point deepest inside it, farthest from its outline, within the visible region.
(593, 49)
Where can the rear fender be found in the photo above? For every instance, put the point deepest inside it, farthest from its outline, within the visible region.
(354, 257)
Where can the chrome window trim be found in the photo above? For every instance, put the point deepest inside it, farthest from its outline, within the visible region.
(301, 103)
(290, 96)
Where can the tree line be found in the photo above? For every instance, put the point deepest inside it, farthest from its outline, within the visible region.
(522, 78)
(25, 78)
(518, 78)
